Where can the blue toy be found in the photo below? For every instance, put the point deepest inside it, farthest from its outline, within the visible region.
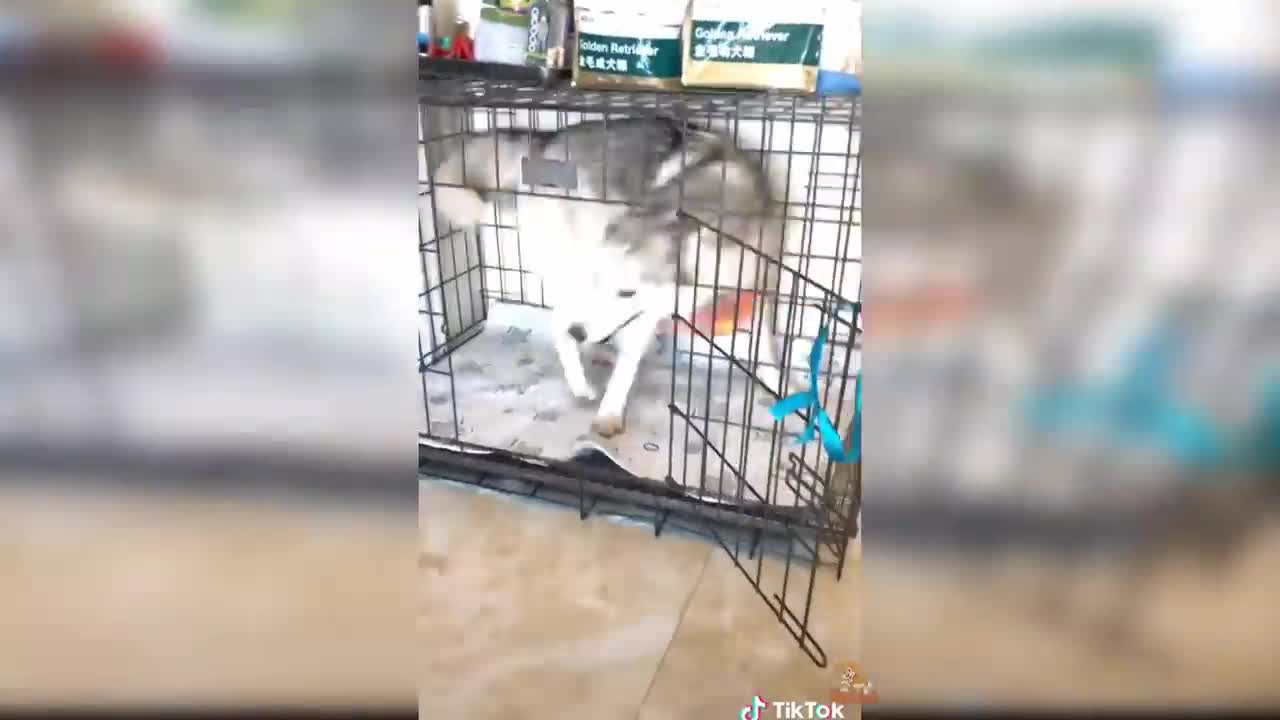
(819, 422)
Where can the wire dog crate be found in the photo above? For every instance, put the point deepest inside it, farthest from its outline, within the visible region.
(701, 450)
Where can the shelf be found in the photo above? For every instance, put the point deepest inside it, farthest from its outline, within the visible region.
(448, 84)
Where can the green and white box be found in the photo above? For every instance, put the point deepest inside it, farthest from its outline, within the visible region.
(755, 44)
(622, 47)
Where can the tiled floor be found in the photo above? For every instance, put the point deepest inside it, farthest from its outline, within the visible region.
(530, 612)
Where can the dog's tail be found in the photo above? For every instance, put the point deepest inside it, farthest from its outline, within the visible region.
(474, 168)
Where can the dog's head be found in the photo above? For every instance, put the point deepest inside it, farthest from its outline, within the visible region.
(650, 240)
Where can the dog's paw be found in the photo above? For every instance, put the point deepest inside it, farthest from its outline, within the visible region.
(607, 425)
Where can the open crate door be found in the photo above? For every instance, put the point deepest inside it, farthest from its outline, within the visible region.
(782, 475)
(783, 494)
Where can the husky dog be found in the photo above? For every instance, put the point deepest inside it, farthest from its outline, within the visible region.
(650, 196)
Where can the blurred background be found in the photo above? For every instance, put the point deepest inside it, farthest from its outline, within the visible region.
(1073, 345)
(207, 393)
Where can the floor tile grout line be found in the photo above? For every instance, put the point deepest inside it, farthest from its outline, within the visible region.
(675, 632)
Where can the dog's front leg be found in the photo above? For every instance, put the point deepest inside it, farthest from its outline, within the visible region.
(568, 341)
(633, 343)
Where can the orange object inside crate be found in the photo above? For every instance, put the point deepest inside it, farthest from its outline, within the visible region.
(900, 314)
(725, 315)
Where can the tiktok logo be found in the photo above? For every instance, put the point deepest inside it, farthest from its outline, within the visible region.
(752, 712)
(789, 710)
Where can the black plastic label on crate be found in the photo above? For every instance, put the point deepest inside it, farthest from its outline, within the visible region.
(549, 173)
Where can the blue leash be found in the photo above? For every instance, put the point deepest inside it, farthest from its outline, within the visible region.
(819, 421)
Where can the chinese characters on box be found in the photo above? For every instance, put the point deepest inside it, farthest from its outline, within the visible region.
(724, 50)
(593, 62)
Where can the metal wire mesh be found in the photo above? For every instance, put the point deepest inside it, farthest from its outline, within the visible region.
(737, 472)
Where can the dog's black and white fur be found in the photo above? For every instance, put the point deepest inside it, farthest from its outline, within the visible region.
(610, 268)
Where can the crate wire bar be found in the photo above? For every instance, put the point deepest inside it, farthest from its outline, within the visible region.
(729, 471)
